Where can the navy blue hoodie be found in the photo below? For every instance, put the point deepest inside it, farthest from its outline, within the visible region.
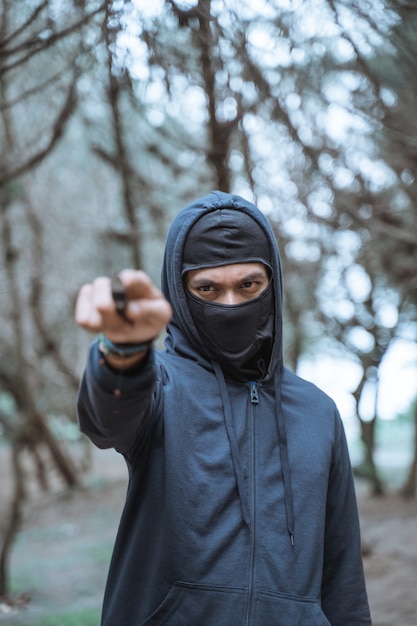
(240, 508)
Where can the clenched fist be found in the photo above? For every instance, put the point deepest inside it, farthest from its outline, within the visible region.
(147, 310)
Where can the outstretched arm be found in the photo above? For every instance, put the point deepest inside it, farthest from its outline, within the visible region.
(113, 402)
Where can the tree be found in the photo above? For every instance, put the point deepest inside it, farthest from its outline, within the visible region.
(26, 38)
(114, 115)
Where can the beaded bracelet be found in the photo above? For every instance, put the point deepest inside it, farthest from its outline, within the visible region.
(121, 349)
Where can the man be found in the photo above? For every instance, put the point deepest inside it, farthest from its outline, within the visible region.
(241, 507)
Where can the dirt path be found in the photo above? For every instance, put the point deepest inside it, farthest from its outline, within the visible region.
(62, 553)
(389, 536)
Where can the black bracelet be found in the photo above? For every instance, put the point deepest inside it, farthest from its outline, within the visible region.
(121, 349)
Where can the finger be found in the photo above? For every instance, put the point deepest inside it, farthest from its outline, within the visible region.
(149, 318)
(138, 285)
(151, 312)
(95, 308)
(101, 296)
(86, 315)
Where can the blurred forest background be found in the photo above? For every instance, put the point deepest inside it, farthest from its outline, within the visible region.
(115, 114)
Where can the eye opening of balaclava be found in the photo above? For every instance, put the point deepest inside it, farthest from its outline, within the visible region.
(239, 336)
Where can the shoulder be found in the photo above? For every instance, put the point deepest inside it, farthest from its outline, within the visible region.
(308, 408)
(302, 391)
(181, 372)
(313, 421)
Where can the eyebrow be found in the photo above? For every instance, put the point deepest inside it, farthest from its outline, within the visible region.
(254, 276)
(200, 282)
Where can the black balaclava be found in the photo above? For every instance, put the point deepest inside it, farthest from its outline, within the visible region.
(238, 336)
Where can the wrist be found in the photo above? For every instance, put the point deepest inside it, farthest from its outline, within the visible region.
(108, 347)
(122, 356)
(122, 364)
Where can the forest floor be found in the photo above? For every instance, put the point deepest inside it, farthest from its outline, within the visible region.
(61, 554)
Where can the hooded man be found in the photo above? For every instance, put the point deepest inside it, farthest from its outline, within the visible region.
(241, 507)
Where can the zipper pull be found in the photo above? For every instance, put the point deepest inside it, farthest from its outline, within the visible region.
(254, 398)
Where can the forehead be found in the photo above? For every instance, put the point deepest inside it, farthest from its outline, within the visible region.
(221, 273)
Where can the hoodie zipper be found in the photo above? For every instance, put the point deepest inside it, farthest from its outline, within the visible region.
(254, 399)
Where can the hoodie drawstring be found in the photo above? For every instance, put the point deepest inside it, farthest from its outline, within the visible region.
(228, 418)
(285, 464)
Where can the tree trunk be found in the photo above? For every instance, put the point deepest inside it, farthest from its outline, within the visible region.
(368, 469)
(368, 438)
(409, 488)
(13, 523)
(63, 464)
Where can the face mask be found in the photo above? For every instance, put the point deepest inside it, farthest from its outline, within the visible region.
(238, 336)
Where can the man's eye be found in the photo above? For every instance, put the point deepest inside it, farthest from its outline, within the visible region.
(248, 284)
(205, 288)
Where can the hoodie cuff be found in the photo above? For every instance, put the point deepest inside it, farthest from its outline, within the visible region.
(112, 381)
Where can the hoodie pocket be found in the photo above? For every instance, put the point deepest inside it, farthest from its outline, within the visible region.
(276, 609)
(189, 605)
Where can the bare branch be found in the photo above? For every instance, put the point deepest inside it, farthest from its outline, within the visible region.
(37, 11)
(57, 132)
(35, 44)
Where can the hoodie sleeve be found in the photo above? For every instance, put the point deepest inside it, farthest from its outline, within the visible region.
(114, 409)
(344, 598)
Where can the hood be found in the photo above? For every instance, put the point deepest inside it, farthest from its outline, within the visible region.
(183, 336)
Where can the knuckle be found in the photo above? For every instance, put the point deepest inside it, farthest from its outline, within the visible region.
(101, 283)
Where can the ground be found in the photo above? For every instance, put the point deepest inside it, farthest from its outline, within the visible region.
(62, 552)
